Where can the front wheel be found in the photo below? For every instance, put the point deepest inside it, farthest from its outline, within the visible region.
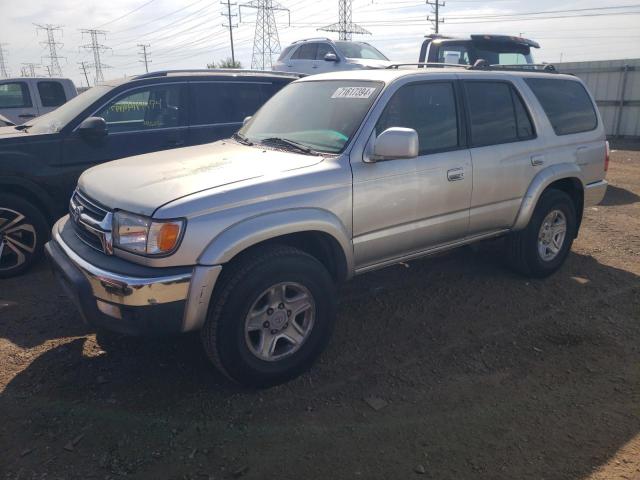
(23, 232)
(543, 246)
(271, 316)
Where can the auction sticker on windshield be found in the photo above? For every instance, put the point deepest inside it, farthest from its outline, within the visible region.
(353, 92)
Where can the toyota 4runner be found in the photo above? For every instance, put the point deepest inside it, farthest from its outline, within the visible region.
(245, 239)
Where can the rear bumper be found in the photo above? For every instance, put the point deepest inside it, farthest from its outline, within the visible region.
(594, 192)
(158, 302)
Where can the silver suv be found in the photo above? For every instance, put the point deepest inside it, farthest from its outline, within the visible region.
(246, 239)
(323, 55)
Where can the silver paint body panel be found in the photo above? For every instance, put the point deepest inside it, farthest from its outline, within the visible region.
(234, 196)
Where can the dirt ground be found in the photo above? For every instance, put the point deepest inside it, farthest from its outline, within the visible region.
(474, 372)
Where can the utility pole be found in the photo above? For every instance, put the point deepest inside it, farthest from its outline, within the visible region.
(53, 57)
(96, 48)
(436, 4)
(84, 70)
(4, 70)
(266, 43)
(231, 26)
(345, 27)
(145, 54)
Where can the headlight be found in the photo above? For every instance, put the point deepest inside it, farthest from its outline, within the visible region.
(139, 234)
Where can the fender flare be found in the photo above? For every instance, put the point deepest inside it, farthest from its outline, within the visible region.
(246, 233)
(540, 182)
(42, 197)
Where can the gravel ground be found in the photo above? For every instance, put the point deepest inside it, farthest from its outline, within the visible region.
(446, 368)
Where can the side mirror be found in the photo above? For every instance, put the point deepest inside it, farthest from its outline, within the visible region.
(93, 128)
(246, 120)
(396, 142)
(330, 57)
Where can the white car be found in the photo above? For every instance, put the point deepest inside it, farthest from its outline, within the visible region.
(323, 55)
(24, 98)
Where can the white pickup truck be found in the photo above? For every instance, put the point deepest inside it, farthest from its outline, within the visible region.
(24, 98)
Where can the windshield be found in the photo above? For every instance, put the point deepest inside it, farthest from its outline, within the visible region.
(54, 121)
(359, 50)
(322, 115)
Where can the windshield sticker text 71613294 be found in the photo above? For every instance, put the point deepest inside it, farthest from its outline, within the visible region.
(353, 92)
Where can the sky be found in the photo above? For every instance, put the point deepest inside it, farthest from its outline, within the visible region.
(190, 33)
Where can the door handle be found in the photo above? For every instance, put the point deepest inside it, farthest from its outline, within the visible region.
(537, 160)
(455, 174)
(27, 115)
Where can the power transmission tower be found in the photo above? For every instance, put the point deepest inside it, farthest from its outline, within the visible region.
(96, 48)
(4, 70)
(84, 70)
(436, 4)
(29, 69)
(266, 43)
(54, 64)
(345, 27)
(145, 55)
(231, 26)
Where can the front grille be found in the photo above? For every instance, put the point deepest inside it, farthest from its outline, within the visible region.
(91, 222)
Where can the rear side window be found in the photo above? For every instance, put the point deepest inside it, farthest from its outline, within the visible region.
(428, 108)
(306, 52)
(566, 103)
(51, 94)
(496, 113)
(216, 102)
(15, 95)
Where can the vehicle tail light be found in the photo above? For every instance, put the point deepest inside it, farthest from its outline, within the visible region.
(606, 156)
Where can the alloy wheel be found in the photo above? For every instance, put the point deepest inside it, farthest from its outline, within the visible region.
(18, 239)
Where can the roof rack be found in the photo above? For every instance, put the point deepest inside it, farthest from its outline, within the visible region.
(395, 66)
(519, 67)
(213, 71)
(324, 39)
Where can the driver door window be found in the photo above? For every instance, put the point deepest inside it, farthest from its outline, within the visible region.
(146, 109)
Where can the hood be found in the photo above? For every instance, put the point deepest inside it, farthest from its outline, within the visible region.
(369, 62)
(144, 183)
(11, 132)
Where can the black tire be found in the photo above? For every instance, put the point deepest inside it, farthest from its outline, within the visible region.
(33, 232)
(522, 247)
(243, 282)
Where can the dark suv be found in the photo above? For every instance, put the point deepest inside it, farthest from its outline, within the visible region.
(41, 160)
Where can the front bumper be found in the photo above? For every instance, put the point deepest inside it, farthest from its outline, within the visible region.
(143, 300)
(594, 192)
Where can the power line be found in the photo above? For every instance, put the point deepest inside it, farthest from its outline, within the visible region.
(96, 48)
(266, 43)
(345, 26)
(145, 55)
(53, 68)
(4, 70)
(231, 26)
(126, 14)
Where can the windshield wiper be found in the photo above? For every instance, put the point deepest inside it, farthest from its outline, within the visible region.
(242, 139)
(290, 143)
(22, 127)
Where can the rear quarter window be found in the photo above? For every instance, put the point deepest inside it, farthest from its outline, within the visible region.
(566, 103)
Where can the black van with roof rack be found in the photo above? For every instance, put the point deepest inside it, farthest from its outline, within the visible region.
(41, 160)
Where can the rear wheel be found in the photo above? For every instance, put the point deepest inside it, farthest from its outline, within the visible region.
(543, 246)
(23, 232)
(270, 317)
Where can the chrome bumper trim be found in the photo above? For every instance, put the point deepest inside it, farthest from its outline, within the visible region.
(594, 192)
(124, 290)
